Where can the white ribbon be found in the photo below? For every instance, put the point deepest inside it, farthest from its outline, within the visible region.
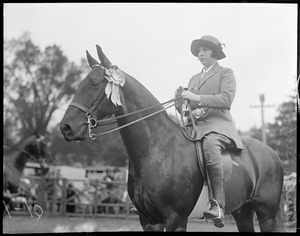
(116, 78)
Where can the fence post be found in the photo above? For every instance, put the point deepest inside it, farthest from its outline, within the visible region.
(64, 197)
(41, 193)
(96, 201)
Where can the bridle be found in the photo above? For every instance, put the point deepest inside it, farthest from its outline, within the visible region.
(93, 123)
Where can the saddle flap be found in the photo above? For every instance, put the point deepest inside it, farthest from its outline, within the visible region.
(227, 164)
(226, 159)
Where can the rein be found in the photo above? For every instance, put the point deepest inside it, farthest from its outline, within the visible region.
(93, 123)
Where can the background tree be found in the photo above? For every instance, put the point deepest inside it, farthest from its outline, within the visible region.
(36, 83)
(105, 150)
(282, 134)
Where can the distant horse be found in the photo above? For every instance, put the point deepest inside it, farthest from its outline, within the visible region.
(32, 148)
(164, 180)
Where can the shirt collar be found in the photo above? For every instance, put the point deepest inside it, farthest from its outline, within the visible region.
(205, 71)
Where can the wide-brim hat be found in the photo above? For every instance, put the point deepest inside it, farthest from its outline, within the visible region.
(210, 42)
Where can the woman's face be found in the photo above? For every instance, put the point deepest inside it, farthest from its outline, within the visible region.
(204, 56)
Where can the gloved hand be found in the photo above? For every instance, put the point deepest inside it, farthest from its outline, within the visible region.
(190, 96)
(179, 91)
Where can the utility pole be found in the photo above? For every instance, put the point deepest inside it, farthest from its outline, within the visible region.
(262, 106)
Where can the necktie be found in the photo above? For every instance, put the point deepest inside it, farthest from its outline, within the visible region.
(202, 74)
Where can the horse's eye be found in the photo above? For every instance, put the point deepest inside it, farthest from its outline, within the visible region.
(97, 82)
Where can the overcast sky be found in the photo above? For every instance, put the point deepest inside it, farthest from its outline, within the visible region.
(151, 42)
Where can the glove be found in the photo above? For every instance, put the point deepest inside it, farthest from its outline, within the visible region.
(178, 92)
(190, 96)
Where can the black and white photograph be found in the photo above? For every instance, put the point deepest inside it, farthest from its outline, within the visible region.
(122, 117)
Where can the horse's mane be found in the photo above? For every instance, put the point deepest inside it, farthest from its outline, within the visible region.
(142, 88)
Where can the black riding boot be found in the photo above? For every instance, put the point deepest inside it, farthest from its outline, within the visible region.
(216, 177)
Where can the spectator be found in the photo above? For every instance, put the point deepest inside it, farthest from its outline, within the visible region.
(71, 195)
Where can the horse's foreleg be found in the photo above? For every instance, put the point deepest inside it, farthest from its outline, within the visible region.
(244, 217)
(176, 223)
(147, 226)
(155, 227)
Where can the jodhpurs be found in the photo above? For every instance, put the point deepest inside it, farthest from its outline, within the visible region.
(213, 145)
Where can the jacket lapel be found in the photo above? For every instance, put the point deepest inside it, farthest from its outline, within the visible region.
(209, 74)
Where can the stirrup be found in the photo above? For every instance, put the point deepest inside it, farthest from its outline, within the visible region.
(219, 209)
(218, 220)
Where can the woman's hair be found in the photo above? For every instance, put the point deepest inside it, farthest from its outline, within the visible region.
(213, 54)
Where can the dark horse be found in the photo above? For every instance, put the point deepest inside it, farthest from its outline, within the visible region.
(32, 148)
(165, 181)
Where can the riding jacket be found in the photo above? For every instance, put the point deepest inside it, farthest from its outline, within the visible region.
(216, 88)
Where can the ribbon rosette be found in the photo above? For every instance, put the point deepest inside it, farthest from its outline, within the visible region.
(116, 78)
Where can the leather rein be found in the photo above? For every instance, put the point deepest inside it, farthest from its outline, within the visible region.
(93, 123)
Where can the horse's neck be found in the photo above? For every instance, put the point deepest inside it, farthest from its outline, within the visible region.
(136, 97)
(140, 137)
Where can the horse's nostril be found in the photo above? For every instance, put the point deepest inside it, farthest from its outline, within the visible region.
(65, 128)
(67, 132)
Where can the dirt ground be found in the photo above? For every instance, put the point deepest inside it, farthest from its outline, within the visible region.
(46, 224)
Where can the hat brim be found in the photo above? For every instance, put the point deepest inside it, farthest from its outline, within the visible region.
(205, 43)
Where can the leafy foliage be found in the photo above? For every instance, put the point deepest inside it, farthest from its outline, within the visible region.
(105, 150)
(36, 83)
(282, 134)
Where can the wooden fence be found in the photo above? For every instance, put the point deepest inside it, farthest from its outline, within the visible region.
(65, 197)
(96, 198)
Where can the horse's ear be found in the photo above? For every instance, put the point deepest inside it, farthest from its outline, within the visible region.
(91, 60)
(104, 60)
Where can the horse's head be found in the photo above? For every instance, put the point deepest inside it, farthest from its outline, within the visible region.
(91, 100)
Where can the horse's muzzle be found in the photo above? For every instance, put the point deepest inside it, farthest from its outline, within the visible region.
(70, 135)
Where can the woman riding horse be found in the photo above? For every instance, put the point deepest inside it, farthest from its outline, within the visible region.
(165, 182)
(213, 86)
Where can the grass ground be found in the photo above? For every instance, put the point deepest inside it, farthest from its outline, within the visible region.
(47, 224)
(26, 225)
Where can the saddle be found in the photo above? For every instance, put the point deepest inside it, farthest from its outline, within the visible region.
(227, 160)
(189, 132)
